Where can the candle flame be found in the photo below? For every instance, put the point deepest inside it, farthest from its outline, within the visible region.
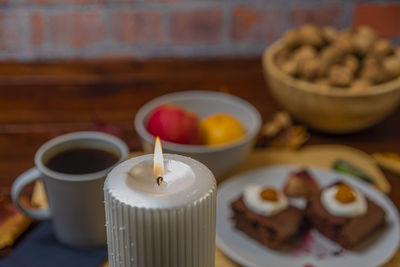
(158, 159)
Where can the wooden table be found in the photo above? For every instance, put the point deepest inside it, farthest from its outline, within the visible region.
(39, 101)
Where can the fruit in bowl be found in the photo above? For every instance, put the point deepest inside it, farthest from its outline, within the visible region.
(220, 129)
(174, 124)
(220, 159)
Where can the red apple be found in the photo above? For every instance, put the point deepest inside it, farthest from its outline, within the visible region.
(174, 124)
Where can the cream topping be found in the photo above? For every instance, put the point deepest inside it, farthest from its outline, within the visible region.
(335, 207)
(253, 200)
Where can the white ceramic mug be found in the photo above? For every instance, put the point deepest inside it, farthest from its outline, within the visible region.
(76, 201)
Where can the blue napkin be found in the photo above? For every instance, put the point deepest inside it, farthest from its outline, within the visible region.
(41, 249)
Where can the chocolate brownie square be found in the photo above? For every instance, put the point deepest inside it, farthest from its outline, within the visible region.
(271, 231)
(346, 231)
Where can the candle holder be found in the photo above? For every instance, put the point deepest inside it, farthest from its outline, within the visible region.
(153, 221)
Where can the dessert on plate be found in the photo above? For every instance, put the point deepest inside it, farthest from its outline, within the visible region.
(265, 214)
(300, 184)
(343, 214)
(12, 222)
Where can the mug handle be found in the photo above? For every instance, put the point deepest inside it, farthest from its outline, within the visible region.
(25, 178)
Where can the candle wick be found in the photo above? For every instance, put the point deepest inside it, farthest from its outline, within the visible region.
(159, 180)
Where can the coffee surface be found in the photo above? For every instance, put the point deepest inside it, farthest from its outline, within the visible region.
(81, 161)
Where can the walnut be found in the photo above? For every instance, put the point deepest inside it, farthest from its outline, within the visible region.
(364, 39)
(290, 66)
(311, 35)
(280, 121)
(283, 119)
(329, 34)
(329, 55)
(373, 72)
(344, 42)
(304, 52)
(351, 62)
(309, 69)
(381, 48)
(392, 65)
(340, 75)
(370, 73)
(291, 39)
(370, 61)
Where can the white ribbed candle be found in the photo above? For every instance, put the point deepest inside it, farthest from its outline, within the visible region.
(173, 226)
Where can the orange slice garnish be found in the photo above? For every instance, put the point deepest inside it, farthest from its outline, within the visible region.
(269, 194)
(345, 194)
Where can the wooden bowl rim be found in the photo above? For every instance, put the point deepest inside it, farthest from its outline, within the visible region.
(272, 68)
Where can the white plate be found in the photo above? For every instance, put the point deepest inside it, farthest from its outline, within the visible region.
(317, 251)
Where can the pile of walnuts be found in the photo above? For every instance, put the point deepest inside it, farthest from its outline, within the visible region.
(352, 58)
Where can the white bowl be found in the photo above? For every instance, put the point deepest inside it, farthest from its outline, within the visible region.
(221, 159)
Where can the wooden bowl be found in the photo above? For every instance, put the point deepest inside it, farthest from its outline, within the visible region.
(326, 108)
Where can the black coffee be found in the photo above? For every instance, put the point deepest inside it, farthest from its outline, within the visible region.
(81, 161)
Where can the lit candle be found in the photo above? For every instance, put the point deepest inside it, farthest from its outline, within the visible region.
(160, 211)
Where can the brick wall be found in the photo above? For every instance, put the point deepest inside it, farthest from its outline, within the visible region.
(55, 29)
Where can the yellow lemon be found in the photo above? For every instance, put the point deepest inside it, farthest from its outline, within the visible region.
(220, 128)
